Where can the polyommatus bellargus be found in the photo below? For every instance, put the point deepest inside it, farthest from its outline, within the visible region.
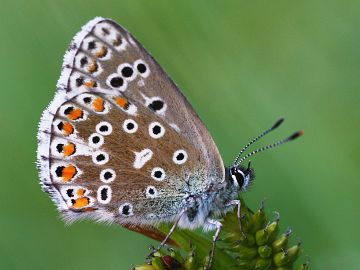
(120, 143)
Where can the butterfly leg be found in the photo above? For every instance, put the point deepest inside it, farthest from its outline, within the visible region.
(218, 226)
(238, 203)
(168, 235)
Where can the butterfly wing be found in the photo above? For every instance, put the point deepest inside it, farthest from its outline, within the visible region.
(119, 142)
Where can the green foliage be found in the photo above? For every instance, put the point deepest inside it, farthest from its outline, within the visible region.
(257, 245)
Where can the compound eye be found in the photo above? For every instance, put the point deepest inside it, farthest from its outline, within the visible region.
(238, 175)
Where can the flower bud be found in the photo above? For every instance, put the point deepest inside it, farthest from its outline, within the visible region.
(246, 252)
(258, 220)
(262, 264)
(264, 251)
(262, 237)
(281, 242)
(273, 230)
(287, 257)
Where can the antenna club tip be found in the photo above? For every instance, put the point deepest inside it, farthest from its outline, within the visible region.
(278, 123)
(295, 135)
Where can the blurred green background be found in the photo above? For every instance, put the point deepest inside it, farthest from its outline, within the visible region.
(242, 64)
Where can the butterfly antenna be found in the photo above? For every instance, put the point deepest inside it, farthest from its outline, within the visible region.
(288, 139)
(276, 125)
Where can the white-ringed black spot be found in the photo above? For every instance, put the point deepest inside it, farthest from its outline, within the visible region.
(158, 174)
(156, 130)
(104, 194)
(126, 210)
(156, 105)
(116, 82)
(68, 110)
(141, 68)
(59, 171)
(107, 175)
(83, 61)
(180, 157)
(70, 192)
(79, 81)
(91, 45)
(60, 126)
(60, 147)
(100, 157)
(104, 128)
(127, 72)
(96, 140)
(130, 126)
(151, 192)
(87, 100)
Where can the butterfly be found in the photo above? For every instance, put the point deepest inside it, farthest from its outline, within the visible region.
(120, 143)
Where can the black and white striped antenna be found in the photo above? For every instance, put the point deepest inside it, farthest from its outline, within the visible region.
(276, 125)
(288, 139)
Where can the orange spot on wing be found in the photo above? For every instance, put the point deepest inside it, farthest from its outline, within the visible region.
(93, 67)
(102, 52)
(80, 192)
(122, 102)
(80, 202)
(75, 114)
(68, 173)
(67, 129)
(98, 104)
(90, 84)
(69, 149)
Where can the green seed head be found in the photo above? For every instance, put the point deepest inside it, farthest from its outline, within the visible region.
(258, 246)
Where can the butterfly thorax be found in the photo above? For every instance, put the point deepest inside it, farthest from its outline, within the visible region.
(216, 199)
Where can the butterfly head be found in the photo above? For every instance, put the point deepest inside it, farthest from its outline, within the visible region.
(240, 177)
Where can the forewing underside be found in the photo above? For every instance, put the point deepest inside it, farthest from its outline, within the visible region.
(106, 65)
